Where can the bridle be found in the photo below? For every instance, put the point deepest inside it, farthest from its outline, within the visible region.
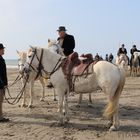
(40, 67)
(123, 58)
(20, 64)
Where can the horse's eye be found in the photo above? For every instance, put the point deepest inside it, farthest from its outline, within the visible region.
(29, 56)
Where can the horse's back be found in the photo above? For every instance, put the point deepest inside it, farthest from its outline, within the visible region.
(107, 74)
(105, 66)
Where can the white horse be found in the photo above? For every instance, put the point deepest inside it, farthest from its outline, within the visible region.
(105, 75)
(21, 62)
(134, 68)
(122, 61)
(53, 46)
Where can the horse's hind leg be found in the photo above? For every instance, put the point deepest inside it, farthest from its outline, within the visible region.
(110, 122)
(90, 100)
(116, 124)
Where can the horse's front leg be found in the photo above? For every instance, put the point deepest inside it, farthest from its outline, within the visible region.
(23, 104)
(80, 98)
(60, 106)
(65, 110)
(31, 94)
(43, 87)
(54, 95)
(90, 100)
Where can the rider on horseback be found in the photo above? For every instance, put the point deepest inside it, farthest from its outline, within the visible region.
(133, 49)
(123, 50)
(66, 41)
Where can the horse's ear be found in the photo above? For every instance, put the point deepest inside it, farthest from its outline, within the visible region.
(31, 48)
(17, 51)
(49, 40)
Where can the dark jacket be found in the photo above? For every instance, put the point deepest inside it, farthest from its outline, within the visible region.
(121, 51)
(134, 50)
(111, 57)
(68, 44)
(3, 73)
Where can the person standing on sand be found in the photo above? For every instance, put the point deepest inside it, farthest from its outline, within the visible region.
(3, 82)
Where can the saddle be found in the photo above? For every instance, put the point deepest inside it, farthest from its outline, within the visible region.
(73, 66)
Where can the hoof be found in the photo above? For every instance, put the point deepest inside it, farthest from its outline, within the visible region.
(23, 106)
(42, 100)
(61, 122)
(109, 124)
(78, 106)
(90, 105)
(58, 110)
(49, 85)
(55, 99)
(90, 101)
(67, 120)
(72, 93)
(30, 106)
(113, 128)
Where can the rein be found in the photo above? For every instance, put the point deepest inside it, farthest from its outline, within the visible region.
(40, 67)
(15, 81)
(19, 96)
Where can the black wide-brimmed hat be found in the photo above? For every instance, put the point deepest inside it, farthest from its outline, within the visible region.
(61, 28)
(1, 46)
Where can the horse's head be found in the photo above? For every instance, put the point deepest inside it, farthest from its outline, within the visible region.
(136, 56)
(54, 47)
(40, 60)
(22, 56)
(32, 56)
(25, 59)
(123, 59)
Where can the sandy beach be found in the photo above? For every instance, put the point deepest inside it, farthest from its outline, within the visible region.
(86, 122)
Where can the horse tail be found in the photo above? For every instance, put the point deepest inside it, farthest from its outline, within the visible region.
(112, 105)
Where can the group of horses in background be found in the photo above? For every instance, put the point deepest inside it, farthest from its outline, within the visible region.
(46, 63)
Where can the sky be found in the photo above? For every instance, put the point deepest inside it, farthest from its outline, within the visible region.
(99, 26)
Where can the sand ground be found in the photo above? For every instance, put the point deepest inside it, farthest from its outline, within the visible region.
(86, 123)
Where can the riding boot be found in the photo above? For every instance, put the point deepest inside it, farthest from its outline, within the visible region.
(49, 85)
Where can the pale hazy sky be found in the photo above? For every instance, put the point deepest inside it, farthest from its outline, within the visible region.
(98, 25)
